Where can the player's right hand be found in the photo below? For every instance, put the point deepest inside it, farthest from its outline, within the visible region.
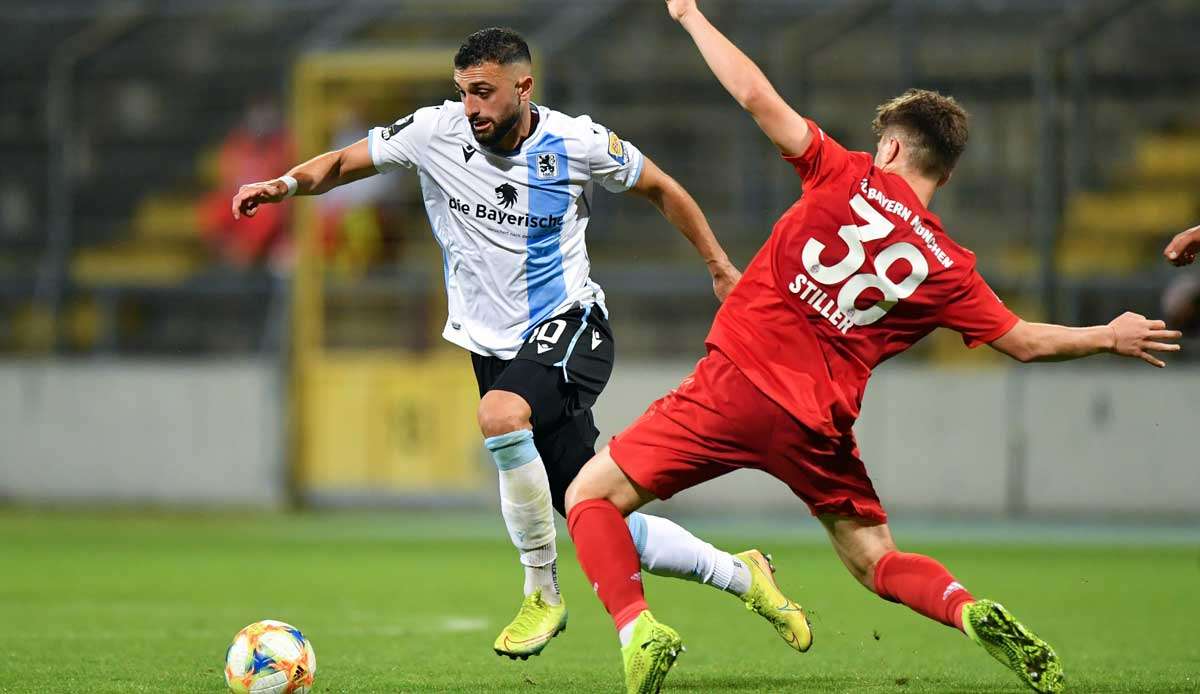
(1134, 335)
(251, 195)
(679, 8)
(1183, 248)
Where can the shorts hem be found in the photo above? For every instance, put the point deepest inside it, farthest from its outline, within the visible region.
(613, 446)
(849, 508)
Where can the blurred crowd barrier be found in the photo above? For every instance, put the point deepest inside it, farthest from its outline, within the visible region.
(1048, 441)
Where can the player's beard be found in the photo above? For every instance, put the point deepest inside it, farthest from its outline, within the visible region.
(501, 129)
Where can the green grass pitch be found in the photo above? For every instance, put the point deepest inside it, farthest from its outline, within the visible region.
(410, 602)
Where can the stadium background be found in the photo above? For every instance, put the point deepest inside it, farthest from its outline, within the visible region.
(160, 366)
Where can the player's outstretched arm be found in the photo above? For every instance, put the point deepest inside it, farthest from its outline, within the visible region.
(1183, 248)
(744, 81)
(681, 210)
(313, 177)
(1130, 335)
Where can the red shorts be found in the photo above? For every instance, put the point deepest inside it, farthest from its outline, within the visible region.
(716, 422)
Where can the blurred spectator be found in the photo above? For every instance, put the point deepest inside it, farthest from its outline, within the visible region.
(1181, 304)
(258, 149)
(352, 217)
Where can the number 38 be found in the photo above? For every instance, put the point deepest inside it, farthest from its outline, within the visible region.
(877, 227)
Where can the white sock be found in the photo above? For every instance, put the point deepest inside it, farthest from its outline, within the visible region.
(541, 573)
(527, 509)
(625, 633)
(667, 549)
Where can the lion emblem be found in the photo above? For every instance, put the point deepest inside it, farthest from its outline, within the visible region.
(506, 195)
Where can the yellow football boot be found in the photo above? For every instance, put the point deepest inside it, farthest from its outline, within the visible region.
(650, 654)
(1007, 640)
(535, 624)
(765, 598)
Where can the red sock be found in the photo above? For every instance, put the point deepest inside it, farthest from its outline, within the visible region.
(605, 551)
(923, 585)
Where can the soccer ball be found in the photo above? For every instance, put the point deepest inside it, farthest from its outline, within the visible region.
(270, 657)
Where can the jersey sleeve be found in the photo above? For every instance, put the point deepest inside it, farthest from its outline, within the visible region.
(825, 159)
(403, 143)
(977, 313)
(615, 163)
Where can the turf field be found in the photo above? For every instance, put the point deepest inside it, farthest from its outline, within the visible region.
(404, 602)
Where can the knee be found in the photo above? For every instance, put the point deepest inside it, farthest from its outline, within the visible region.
(577, 493)
(501, 412)
(588, 486)
(601, 479)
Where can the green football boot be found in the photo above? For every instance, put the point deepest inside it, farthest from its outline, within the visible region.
(535, 624)
(650, 654)
(1007, 640)
(765, 598)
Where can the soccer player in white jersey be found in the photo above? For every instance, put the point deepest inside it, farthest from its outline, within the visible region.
(507, 185)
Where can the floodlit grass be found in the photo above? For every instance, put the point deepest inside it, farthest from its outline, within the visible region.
(410, 602)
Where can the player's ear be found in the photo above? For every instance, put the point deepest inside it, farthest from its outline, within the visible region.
(945, 179)
(525, 88)
(892, 153)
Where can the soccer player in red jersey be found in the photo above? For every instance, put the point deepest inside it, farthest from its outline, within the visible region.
(854, 273)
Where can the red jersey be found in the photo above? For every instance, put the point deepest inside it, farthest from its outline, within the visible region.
(857, 271)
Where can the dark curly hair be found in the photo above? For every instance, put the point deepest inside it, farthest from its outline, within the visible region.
(492, 45)
(934, 126)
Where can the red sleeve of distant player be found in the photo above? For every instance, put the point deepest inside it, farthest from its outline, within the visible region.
(977, 313)
(824, 159)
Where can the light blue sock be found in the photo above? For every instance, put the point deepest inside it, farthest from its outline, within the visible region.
(512, 450)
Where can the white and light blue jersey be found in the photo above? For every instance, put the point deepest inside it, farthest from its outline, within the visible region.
(512, 228)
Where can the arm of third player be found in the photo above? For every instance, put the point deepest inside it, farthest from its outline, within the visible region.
(313, 177)
(681, 210)
(1129, 335)
(1183, 248)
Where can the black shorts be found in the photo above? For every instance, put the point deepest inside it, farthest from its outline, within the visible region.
(560, 371)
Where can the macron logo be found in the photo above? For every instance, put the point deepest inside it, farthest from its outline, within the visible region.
(542, 349)
(953, 587)
(595, 339)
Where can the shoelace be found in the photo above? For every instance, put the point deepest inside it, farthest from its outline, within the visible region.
(756, 604)
(527, 618)
(657, 644)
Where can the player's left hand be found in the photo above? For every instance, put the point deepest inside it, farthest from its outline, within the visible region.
(725, 277)
(1183, 248)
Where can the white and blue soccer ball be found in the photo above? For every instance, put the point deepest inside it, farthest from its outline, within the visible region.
(270, 657)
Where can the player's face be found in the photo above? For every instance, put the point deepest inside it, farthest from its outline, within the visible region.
(493, 96)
